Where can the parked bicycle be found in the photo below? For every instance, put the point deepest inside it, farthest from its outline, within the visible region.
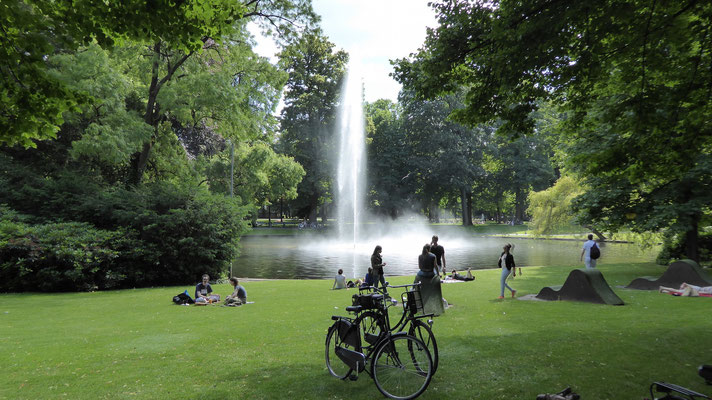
(373, 321)
(400, 364)
(676, 392)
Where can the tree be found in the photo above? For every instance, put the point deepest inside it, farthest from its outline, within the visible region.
(392, 186)
(448, 154)
(32, 101)
(307, 121)
(551, 208)
(632, 77)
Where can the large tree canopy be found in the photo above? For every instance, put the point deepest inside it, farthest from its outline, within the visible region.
(32, 101)
(633, 77)
(316, 70)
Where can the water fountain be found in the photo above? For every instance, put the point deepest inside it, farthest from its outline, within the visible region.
(352, 159)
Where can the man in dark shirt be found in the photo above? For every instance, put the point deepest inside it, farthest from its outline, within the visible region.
(439, 252)
(204, 293)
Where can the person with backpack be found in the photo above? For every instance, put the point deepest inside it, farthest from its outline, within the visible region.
(591, 252)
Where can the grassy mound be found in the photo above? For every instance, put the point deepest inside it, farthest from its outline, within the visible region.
(136, 344)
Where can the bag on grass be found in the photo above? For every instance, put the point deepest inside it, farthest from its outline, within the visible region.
(183, 298)
(595, 252)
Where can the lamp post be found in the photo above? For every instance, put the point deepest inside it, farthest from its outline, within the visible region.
(232, 176)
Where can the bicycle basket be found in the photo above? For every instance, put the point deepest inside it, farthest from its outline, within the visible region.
(414, 301)
(367, 301)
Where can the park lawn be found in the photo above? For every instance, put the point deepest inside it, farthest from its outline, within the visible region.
(135, 344)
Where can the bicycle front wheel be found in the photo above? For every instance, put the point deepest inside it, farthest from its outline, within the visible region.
(421, 330)
(402, 367)
(334, 364)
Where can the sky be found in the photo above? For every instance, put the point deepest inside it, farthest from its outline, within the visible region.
(372, 32)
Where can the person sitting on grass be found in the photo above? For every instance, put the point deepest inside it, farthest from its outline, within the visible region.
(204, 292)
(339, 280)
(368, 279)
(238, 296)
(688, 290)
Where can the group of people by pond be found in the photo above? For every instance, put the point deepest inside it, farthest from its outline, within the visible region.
(432, 262)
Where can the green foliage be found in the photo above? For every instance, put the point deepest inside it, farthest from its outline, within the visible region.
(33, 100)
(551, 208)
(674, 247)
(55, 256)
(316, 72)
(391, 163)
(631, 78)
(158, 233)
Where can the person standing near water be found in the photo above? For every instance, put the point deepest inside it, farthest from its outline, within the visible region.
(426, 263)
(586, 251)
(377, 265)
(439, 252)
(506, 262)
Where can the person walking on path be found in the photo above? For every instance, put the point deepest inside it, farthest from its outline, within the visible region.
(506, 262)
(586, 251)
(377, 265)
(439, 252)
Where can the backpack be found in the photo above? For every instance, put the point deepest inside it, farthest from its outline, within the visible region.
(595, 252)
(183, 298)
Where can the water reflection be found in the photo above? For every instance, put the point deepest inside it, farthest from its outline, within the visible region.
(308, 258)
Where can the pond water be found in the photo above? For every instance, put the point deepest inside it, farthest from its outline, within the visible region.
(299, 257)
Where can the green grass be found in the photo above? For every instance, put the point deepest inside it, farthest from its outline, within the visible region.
(134, 344)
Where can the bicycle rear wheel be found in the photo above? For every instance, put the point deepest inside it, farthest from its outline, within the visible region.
(402, 367)
(371, 325)
(334, 364)
(421, 330)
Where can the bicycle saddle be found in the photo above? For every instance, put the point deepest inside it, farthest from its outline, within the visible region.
(354, 309)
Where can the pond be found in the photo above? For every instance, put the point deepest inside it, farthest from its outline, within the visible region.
(299, 257)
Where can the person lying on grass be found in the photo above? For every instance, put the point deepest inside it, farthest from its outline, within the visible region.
(204, 292)
(688, 290)
(456, 276)
(238, 296)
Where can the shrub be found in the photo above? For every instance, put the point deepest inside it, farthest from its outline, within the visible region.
(674, 248)
(110, 237)
(53, 257)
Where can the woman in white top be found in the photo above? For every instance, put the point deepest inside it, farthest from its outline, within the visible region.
(339, 280)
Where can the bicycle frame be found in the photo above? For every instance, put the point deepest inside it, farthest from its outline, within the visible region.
(407, 315)
(356, 359)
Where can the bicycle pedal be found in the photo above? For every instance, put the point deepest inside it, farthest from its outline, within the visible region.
(353, 377)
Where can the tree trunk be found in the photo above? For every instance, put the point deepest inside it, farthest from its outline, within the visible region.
(140, 159)
(518, 206)
(691, 241)
(269, 216)
(313, 207)
(281, 211)
(596, 232)
(466, 200)
(152, 114)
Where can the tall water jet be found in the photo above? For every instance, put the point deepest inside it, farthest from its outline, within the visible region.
(352, 158)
